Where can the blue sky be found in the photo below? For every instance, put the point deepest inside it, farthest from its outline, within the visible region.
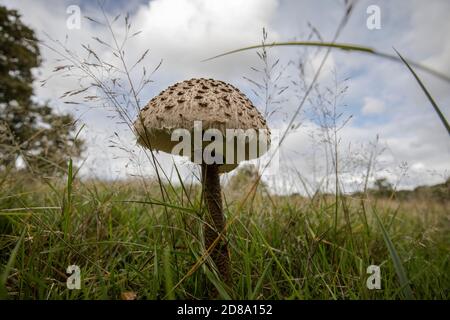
(382, 96)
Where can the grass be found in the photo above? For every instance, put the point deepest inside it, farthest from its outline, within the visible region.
(282, 247)
(340, 46)
(428, 95)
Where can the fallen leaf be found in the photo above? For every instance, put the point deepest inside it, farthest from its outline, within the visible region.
(128, 295)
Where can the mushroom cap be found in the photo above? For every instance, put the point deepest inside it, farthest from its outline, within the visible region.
(218, 105)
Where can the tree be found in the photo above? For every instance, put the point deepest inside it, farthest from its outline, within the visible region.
(383, 187)
(42, 138)
(244, 178)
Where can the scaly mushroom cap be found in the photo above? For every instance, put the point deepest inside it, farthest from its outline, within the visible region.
(216, 104)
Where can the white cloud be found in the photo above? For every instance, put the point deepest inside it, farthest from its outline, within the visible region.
(184, 32)
(373, 106)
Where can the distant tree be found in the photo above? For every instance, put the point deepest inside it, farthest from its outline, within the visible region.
(244, 178)
(30, 130)
(383, 187)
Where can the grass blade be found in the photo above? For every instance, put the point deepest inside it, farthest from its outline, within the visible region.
(279, 264)
(399, 269)
(430, 98)
(218, 284)
(258, 285)
(9, 265)
(161, 203)
(342, 46)
(67, 208)
(168, 275)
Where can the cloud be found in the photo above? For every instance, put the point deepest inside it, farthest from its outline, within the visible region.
(382, 96)
(373, 106)
(184, 32)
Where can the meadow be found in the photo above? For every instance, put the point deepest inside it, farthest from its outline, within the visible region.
(130, 244)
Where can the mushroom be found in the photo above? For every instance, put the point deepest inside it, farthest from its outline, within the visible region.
(218, 106)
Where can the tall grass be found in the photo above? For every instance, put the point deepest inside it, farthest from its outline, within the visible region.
(283, 248)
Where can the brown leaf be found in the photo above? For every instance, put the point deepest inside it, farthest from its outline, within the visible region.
(128, 295)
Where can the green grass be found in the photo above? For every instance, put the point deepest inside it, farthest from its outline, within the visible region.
(340, 46)
(281, 248)
(428, 95)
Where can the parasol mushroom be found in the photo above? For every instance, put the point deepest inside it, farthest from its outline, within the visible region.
(217, 106)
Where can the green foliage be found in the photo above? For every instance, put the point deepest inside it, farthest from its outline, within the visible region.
(41, 137)
(383, 189)
(281, 248)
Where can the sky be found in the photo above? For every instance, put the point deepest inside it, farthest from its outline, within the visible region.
(389, 114)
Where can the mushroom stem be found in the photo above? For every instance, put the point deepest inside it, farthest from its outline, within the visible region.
(215, 220)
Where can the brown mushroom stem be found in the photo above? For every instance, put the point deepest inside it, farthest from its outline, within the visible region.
(215, 220)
